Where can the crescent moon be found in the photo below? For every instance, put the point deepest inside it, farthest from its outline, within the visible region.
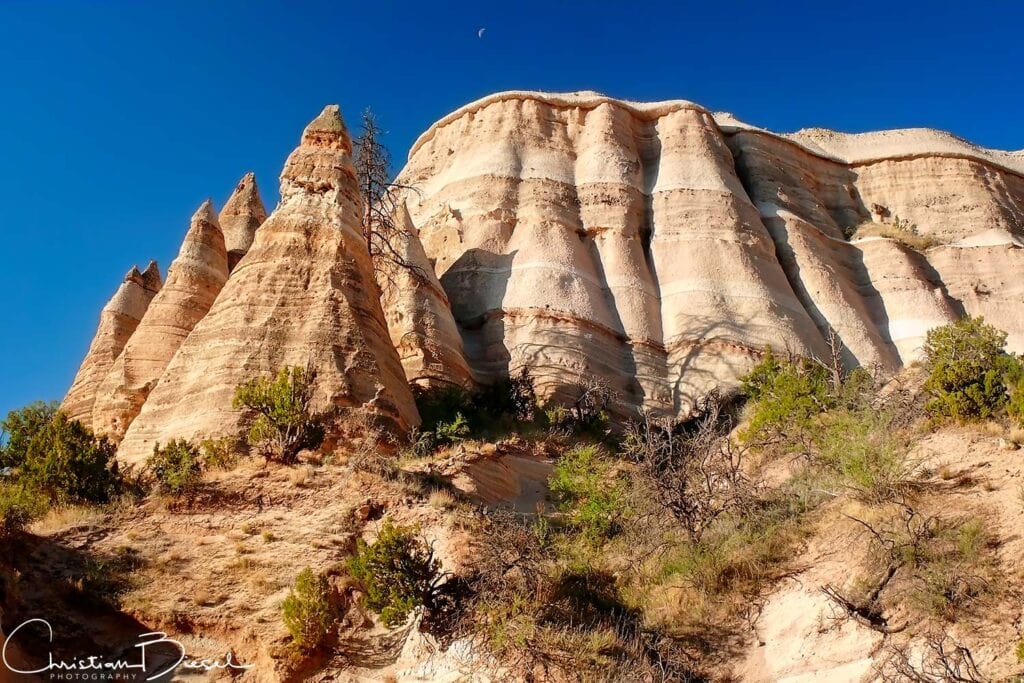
(480, 33)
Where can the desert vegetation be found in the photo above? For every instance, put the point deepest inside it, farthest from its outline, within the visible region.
(657, 544)
(51, 460)
(398, 573)
(899, 229)
(177, 468)
(280, 420)
(307, 611)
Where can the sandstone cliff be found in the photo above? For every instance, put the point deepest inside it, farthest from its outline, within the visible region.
(303, 295)
(241, 216)
(661, 247)
(418, 313)
(194, 280)
(118, 321)
(658, 247)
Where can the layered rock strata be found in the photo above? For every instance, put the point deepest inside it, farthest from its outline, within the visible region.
(194, 280)
(660, 247)
(303, 295)
(656, 248)
(418, 313)
(241, 216)
(118, 320)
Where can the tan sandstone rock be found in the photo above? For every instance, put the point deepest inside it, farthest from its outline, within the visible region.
(194, 280)
(305, 295)
(240, 217)
(118, 321)
(419, 316)
(661, 247)
(658, 247)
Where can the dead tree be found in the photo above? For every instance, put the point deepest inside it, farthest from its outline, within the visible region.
(943, 660)
(385, 238)
(695, 470)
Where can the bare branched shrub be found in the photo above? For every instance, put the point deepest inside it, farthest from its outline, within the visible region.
(693, 467)
(943, 660)
(594, 398)
(943, 566)
(535, 616)
(370, 450)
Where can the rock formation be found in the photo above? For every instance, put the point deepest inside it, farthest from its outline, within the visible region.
(305, 295)
(658, 248)
(661, 247)
(118, 321)
(418, 313)
(240, 218)
(194, 280)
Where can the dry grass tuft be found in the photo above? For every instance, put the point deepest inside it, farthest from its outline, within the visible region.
(301, 476)
(992, 428)
(903, 232)
(204, 598)
(63, 518)
(442, 499)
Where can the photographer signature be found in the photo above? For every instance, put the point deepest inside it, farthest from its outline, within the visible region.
(96, 663)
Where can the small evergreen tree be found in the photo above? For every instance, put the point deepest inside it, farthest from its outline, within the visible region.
(20, 427)
(968, 369)
(19, 505)
(66, 462)
(307, 612)
(398, 571)
(177, 467)
(786, 397)
(280, 420)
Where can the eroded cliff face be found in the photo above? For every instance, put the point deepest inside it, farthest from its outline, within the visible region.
(241, 216)
(194, 280)
(658, 247)
(118, 320)
(419, 314)
(662, 247)
(304, 295)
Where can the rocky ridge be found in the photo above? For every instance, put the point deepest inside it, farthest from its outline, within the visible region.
(656, 247)
(303, 295)
(118, 320)
(660, 246)
(193, 281)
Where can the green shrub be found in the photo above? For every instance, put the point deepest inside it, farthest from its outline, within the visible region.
(67, 463)
(280, 420)
(968, 369)
(448, 433)
(398, 572)
(177, 467)
(786, 397)
(586, 488)
(219, 454)
(307, 611)
(18, 507)
(557, 418)
(21, 426)
(864, 447)
(451, 413)
(440, 404)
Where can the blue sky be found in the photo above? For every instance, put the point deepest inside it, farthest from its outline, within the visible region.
(118, 119)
